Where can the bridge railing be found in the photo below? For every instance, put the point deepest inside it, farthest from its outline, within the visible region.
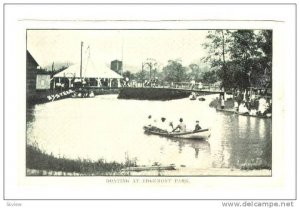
(177, 85)
(197, 86)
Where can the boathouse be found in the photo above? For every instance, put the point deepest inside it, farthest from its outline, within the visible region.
(94, 76)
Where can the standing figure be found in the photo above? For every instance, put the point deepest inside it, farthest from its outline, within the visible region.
(222, 103)
(236, 105)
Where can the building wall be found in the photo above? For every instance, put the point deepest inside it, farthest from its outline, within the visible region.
(31, 73)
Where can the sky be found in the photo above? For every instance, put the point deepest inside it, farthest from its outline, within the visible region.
(131, 46)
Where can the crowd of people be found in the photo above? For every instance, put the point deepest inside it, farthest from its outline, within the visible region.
(151, 83)
(165, 126)
(251, 103)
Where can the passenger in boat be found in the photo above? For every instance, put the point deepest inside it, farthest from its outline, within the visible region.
(193, 96)
(181, 126)
(164, 126)
(161, 126)
(243, 109)
(149, 120)
(197, 126)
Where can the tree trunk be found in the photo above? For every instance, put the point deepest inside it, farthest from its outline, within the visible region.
(223, 49)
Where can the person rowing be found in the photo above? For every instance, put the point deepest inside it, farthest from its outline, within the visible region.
(181, 126)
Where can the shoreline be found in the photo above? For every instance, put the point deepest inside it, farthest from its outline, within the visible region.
(48, 165)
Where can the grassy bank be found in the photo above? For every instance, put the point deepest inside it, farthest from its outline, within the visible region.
(36, 159)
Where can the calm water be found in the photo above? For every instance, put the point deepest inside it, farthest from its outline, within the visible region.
(107, 128)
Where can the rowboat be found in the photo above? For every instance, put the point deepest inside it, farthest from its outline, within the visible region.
(199, 134)
(192, 97)
(241, 114)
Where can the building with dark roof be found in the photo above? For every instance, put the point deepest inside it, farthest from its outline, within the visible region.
(117, 66)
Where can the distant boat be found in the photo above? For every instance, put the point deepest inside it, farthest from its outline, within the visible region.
(193, 96)
(200, 134)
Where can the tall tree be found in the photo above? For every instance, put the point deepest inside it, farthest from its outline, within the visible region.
(240, 57)
(264, 41)
(252, 54)
(129, 75)
(218, 48)
(174, 72)
(142, 75)
(264, 68)
(243, 51)
(209, 77)
(195, 72)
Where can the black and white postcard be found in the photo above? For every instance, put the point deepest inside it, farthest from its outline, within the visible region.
(149, 101)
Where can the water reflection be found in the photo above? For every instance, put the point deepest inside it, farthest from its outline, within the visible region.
(201, 147)
(108, 128)
(247, 149)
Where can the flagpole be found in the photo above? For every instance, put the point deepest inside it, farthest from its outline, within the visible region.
(81, 60)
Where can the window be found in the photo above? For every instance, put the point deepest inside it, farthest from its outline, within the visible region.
(42, 81)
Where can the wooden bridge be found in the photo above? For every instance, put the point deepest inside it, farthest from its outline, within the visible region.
(183, 86)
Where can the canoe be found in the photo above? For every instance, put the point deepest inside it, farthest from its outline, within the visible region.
(240, 114)
(200, 134)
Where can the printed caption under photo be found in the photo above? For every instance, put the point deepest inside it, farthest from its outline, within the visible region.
(148, 180)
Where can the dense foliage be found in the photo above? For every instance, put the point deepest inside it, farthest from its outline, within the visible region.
(242, 58)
